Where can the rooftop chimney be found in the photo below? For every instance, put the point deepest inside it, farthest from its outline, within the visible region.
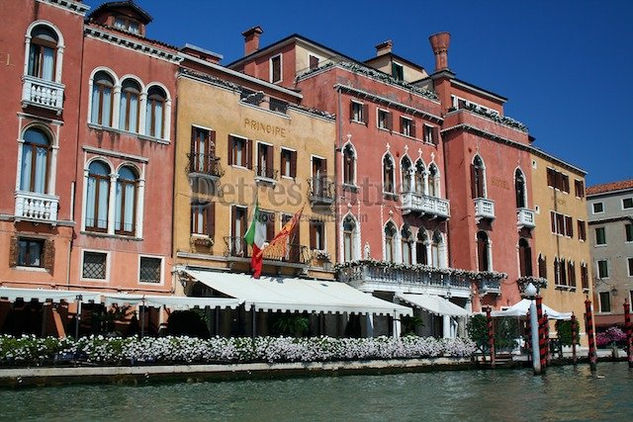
(251, 39)
(384, 47)
(439, 44)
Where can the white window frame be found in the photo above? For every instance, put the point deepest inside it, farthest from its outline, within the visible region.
(162, 270)
(598, 269)
(424, 127)
(268, 144)
(593, 209)
(595, 233)
(281, 68)
(324, 237)
(401, 66)
(378, 111)
(627, 208)
(362, 106)
(245, 139)
(354, 181)
(410, 120)
(356, 252)
(600, 301)
(59, 59)
(629, 268)
(81, 266)
(393, 178)
(282, 149)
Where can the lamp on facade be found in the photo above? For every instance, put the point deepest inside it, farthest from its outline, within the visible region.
(530, 291)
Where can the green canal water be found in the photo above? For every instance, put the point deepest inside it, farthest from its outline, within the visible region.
(563, 394)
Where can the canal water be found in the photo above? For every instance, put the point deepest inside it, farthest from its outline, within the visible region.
(563, 394)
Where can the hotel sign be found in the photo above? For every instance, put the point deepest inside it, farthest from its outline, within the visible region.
(269, 129)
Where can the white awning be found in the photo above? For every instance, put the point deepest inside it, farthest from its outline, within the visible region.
(296, 295)
(42, 295)
(434, 304)
(171, 302)
(521, 309)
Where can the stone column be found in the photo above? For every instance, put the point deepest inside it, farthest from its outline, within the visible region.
(425, 175)
(111, 202)
(446, 326)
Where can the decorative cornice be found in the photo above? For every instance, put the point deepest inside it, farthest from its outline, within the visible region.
(388, 102)
(73, 6)
(116, 154)
(611, 220)
(131, 44)
(494, 116)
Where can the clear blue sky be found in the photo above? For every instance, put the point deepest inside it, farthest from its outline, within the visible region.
(566, 66)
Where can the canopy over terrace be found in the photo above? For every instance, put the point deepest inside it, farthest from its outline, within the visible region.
(44, 295)
(521, 309)
(435, 304)
(170, 302)
(296, 295)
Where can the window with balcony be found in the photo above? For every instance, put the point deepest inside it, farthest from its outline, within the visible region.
(419, 177)
(384, 120)
(317, 235)
(421, 245)
(405, 174)
(584, 276)
(390, 232)
(43, 53)
(542, 266)
(240, 151)
(359, 112)
(238, 230)
(562, 270)
(436, 249)
(97, 196)
(126, 197)
(94, 265)
(388, 180)
(320, 184)
(483, 251)
(478, 178)
(155, 112)
(601, 236)
(349, 165)
(202, 158)
(102, 99)
(605, 302)
(150, 270)
(129, 107)
(519, 189)
(350, 239)
(434, 181)
(525, 258)
(288, 163)
(603, 269)
(407, 127)
(556, 271)
(275, 69)
(265, 166)
(30, 253)
(34, 166)
(406, 239)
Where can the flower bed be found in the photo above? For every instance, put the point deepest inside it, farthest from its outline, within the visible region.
(99, 350)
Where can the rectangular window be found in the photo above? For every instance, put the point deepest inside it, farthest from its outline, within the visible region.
(603, 269)
(630, 266)
(558, 180)
(150, 270)
(239, 151)
(584, 276)
(238, 230)
(628, 231)
(579, 188)
(397, 71)
(407, 126)
(384, 119)
(317, 235)
(265, 167)
(601, 236)
(268, 218)
(359, 112)
(428, 134)
(94, 265)
(569, 227)
(203, 219)
(288, 163)
(605, 302)
(31, 253)
(275, 69)
(314, 61)
(582, 230)
(598, 207)
(627, 203)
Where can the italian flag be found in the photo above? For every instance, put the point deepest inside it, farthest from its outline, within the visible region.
(256, 237)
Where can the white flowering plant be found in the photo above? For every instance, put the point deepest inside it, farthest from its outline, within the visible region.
(29, 350)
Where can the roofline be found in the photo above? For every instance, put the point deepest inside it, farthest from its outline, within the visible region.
(608, 192)
(472, 87)
(543, 154)
(397, 58)
(241, 75)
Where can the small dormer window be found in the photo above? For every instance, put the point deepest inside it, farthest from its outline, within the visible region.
(397, 71)
(125, 24)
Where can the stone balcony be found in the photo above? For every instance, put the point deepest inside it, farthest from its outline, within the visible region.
(484, 209)
(36, 207)
(489, 285)
(425, 204)
(525, 218)
(42, 93)
(369, 276)
(321, 191)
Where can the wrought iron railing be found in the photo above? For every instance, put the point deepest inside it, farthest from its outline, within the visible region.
(267, 172)
(322, 190)
(206, 164)
(292, 253)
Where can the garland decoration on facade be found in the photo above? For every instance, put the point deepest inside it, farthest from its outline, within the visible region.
(539, 282)
(493, 115)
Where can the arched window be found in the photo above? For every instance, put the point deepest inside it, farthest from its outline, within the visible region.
(129, 105)
(405, 169)
(349, 165)
(525, 258)
(571, 273)
(125, 210)
(35, 161)
(97, 196)
(420, 247)
(43, 53)
(155, 112)
(388, 174)
(436, 241)
(478, 178)
(562, 268)
(483, 251)
(102, 92)
(390, 242)
(434, 181)
(556, 271)
(542, 266)
(519, 189)
(419, 177)
(349, 239)
(407, 245)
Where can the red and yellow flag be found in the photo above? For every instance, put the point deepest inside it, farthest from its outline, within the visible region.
(278, 244)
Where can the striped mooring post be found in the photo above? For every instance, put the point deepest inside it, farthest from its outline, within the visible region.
(629, 332)
(548, 349)
(491, 336)
(528, 330)
(574, 334)
(542, 341)
(593, 358)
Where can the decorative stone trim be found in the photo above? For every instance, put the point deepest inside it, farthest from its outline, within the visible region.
(74, 6)
(120, 41)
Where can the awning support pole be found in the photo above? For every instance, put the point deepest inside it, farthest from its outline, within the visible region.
(142, 317)
(254, 319)
(78, 318)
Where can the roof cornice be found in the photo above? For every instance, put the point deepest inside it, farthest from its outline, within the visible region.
(70, 5)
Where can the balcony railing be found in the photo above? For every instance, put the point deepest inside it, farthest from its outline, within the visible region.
(266, 174)
(36, 206)
(425, 204)
(322, 190)
(484, 208)
(490, 286)
(295, 254)
(205, 164)
(368, 275)
(42, 93)
(525, 218)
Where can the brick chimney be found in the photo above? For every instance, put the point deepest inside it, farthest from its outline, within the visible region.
(439, 44)
(384, 47)
(251, 39)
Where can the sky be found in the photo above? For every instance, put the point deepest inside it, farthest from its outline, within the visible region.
(564, 65)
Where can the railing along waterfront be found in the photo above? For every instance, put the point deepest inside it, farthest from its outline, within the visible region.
(36, 206)
(412, 201)
(42, 93)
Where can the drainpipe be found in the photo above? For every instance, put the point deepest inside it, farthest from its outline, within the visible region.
(337, 149)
